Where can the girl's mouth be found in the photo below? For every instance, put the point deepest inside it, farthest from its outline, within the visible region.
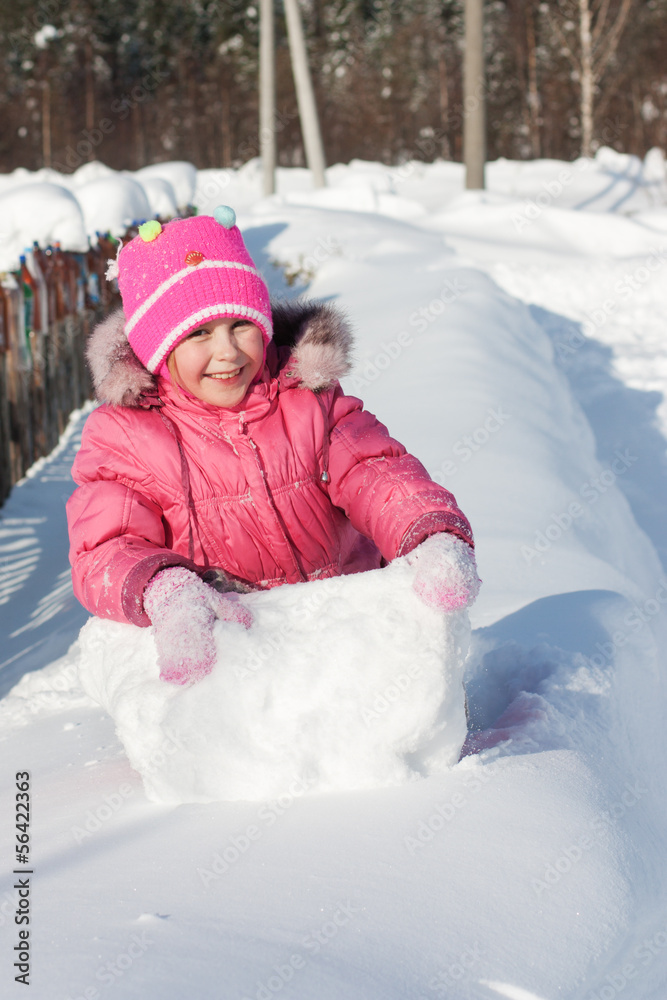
(225, 376)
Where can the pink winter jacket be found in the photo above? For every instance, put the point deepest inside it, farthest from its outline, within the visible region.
(297, 482)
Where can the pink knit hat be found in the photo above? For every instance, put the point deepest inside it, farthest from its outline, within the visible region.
(175, 278)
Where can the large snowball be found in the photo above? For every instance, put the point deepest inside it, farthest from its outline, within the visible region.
(347, 683)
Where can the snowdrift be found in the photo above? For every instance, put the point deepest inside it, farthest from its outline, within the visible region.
(347, 683)
(533, 868)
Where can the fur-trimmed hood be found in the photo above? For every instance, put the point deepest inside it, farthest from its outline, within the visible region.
(317, 335)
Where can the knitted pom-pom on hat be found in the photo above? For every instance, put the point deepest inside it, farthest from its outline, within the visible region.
(175, 278)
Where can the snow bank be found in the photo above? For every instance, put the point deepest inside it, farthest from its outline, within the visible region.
(111, 204)
(364, 190)
(542, 223)
(610, 182)
(182, 177)
(161, 196)
(346, 683)
(42, 212)
(48, 206)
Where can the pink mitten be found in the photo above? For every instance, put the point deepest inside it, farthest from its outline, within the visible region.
(182, 610)
(446, 575)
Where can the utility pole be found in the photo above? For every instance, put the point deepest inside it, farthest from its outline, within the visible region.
(267, 96)
(46, 122)
(474, 93)
(310, 126)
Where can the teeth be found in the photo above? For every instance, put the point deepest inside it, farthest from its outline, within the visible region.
(225, 374)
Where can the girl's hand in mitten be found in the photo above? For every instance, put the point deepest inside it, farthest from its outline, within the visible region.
(446, 575)
(183, 610)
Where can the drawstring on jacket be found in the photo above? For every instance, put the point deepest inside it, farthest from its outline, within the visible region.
(243, 429)
(185, 482)
(324, 478)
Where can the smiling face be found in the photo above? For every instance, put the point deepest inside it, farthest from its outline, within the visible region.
(218, 362)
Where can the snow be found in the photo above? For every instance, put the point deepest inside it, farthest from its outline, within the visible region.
(180, 175)
(48, 206)
(112, 204)
(338, 685)
(526, 366)
(161, 196)
(54, 214)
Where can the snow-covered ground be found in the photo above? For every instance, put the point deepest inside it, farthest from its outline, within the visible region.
(513, 340)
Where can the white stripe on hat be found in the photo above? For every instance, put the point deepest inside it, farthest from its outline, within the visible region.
(202, 316)
(166, 285)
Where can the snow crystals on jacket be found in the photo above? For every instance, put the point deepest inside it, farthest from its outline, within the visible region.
(296, 483)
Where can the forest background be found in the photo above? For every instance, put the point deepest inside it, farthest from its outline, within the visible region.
(133, 82)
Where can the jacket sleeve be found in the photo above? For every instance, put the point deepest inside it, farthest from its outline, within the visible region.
(117, 535)
(386, 493)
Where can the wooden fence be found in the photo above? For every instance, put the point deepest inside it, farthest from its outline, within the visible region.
(43, 377)
(39, 390)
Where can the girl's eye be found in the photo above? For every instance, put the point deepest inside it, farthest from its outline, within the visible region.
(241, 322)
(197, 333)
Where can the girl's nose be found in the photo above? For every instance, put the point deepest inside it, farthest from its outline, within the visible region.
(224, 345)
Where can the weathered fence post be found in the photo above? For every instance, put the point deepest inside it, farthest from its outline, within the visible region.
(43, 373)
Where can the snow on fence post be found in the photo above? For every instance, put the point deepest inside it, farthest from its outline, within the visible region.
(47, 310)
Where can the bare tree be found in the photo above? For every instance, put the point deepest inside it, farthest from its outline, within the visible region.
(599, 33)
(534, 103)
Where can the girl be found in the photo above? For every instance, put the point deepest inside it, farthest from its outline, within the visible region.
(227, 458)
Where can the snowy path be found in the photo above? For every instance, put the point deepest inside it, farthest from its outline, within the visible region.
(533, 869)
(39, 616)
